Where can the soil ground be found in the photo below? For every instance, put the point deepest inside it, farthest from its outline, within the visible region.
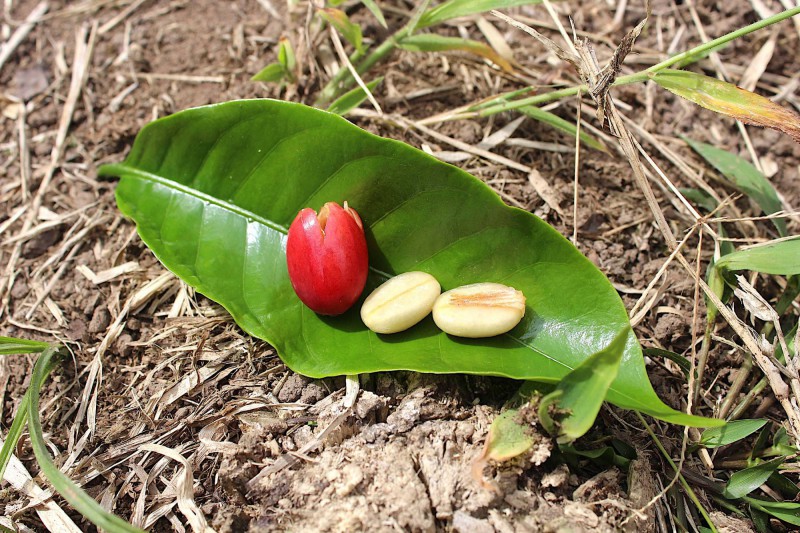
(153, 362)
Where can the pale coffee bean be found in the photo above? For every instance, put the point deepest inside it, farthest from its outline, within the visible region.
(479, 310)
(400, 302)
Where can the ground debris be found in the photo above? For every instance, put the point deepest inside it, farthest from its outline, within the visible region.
(172, 369)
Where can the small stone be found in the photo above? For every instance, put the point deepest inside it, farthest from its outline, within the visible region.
(464, 523)
(41, 242)
(29, 82)
(101, 319)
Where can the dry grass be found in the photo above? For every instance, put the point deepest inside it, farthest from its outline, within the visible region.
(163, 385)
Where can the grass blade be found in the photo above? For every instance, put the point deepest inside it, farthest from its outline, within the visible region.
(375, 10)
(339, 20)
(746, 481)
(352, 99)
(678, 359)
(728, 99)
(787, 511)
(271, 73)
(461, 8)
(559, 123)
(429, 42)
(13, 345)
(71, 492)
(14, 433)
(780, 257)
(744, 177)
(732, 432)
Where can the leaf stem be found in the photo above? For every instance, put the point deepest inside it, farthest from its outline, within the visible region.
(719, 41)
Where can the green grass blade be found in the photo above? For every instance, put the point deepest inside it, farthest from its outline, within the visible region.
(375, 10)
(460, 8)
(746, 481)
(700, 197)
(732, 432)
(780, 257)
(678, 359)
(352, 99)
(339, 20)
(431, 42)
(71, 492)
(603, 457)
(559, 123)
(13, 345)
(728, 99)
(14, 433)
(271, 73)
(286, 55)
(745, 177)
(787, 511)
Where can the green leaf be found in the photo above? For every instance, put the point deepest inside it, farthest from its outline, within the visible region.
(271, 73)
(731, 432)
(583, 389)
(507, 438)
(352, 99)
(780, 257)
(213, 189)
(283, 69)
(14, 433)
(286, 56)
(744, 177)
(728, 99)
(762, 440)
(678, 359)
(781, 442)
(760, 520)
(790, 292)
(780, 356)
(12, 345)
(376, 11)
(68, 490)
(716, 282)
(431, 42)
(559, 123)
(700, 197)
(784, 485)
(789, 512)
(460, 8)
(603, 457)
(746, 481)
(339, 20)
